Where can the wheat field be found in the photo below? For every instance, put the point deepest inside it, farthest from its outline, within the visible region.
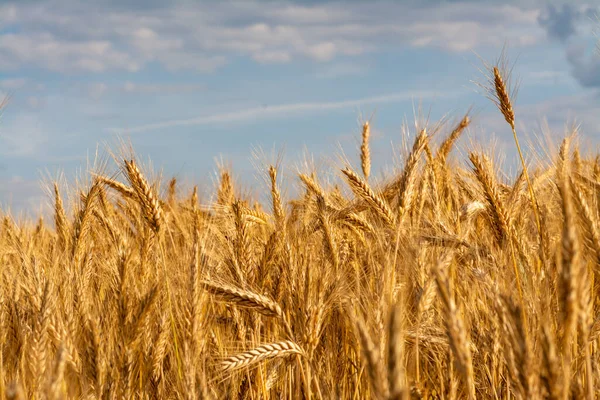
(445, 280)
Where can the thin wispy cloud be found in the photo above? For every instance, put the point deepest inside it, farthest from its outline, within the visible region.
(280, 111)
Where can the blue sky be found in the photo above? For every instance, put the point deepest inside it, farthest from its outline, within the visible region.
(191, 83)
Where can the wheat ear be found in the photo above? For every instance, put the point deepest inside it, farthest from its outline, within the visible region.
(245, 299)
(151, 207)
(261, 353)
(117, 186)
(60, 218)
(364, 191)
(365, 152)
(446, 146)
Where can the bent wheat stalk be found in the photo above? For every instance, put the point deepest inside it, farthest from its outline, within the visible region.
(245, 299)
(250, 300)
(259, 354)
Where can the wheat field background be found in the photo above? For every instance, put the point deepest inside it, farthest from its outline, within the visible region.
(445, 280)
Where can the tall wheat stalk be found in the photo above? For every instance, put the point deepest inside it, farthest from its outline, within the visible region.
(500, 93)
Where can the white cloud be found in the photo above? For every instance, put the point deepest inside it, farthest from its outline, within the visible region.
(279, 110)
(322, 51)
(59, 54)
(67, 35)
(150, 44)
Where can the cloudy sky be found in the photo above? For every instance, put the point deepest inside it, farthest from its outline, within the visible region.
(192, 83)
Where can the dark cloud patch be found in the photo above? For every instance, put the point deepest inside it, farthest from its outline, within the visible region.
(560, 23)
(585, 66)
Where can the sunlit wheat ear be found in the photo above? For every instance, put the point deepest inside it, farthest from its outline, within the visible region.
(151, 207)
(447, 144)
(364, 191)
(259, 354)
(278, 210)
(225, 194)
(60, 217)
(82, 227)
(500, 87)
(194, 198)
(172, 191)
(254, 216)
(117, 186)
(356, 221)
(590, 222)
(403, 187)
(312, 185)
(503, 98)
(365, 152)
(470, 210)
(245, 299)
(329, 235)
(499, 215)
